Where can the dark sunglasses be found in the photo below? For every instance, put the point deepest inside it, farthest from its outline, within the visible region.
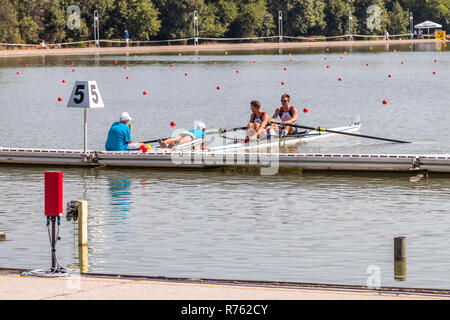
(283, 100)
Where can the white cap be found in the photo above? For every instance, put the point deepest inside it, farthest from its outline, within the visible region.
(201, 125)
(125, 116)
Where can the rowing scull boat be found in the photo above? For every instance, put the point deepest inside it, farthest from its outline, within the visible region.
(269, 143)
(286, 140)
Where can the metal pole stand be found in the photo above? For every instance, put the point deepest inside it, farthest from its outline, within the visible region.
(56, 270)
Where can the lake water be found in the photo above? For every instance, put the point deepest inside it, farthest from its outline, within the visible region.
(314, 227)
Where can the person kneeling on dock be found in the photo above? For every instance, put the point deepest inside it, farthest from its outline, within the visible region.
(185, 138)
(120, 135)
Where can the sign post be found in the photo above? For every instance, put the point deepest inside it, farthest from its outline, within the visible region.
(53, 190)
(53, 205)
(85, 94)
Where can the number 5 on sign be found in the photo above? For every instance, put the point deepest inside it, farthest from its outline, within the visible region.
(85, 94)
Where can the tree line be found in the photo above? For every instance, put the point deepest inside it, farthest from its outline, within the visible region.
(29, 21)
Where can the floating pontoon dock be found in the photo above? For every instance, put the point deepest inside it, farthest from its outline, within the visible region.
(303, 161)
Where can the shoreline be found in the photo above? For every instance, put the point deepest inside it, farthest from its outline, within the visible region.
(116, 286)
(208, 47)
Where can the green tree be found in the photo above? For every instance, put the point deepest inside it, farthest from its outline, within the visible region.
(398, 20)
(177, 17)
(139, 17)
(252, 20)
(30, 25)
(8, 23)
(434, 10)
(54, 21)
(372, 17)
(300, 17)
(216, 17)
(29, 30)
(337, 17)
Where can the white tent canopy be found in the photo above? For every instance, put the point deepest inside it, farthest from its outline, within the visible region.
(428, 25)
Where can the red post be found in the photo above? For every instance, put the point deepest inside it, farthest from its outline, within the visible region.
(53, 193)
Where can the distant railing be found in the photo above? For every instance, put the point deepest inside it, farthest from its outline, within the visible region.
(191, 41)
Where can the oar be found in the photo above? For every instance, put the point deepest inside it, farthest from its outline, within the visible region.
(211, 131)
(223, 130)
(319, 129)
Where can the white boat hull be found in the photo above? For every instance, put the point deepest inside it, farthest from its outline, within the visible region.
(286, 141)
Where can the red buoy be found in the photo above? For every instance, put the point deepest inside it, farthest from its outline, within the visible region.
(340, 79)
(73, 70)
(284, 68)
(282, 83)
(64, 81)
(390, 76)
(115, 61)
(18, 72)
(305, 110)
(237, 71)
(173, 124)
(218, 87)
(254, 61)
(434, 72)
(367, 64)
(328, 67)
(124, 68)
(144, 148)
(26, 65)
(171, 65)
(385, 101)
(154, 60)
(185, 74)
(144, 93)
(59, 99)
(127, 78)
(403, 62)
(214, 63)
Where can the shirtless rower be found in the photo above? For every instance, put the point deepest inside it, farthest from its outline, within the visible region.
(287, 114)
(258, 121)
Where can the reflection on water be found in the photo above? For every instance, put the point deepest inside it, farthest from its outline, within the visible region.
(119, 190)
(310, 227)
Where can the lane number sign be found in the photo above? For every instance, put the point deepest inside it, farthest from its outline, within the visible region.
(85, 94)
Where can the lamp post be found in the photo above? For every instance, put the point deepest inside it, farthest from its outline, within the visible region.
(195, 27)
(280, 26)
(350, 25)
(96, 30)
(411, 27)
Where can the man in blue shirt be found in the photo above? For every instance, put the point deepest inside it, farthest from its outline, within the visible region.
(120, 135)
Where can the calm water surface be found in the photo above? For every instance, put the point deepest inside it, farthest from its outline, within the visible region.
(314, 227)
